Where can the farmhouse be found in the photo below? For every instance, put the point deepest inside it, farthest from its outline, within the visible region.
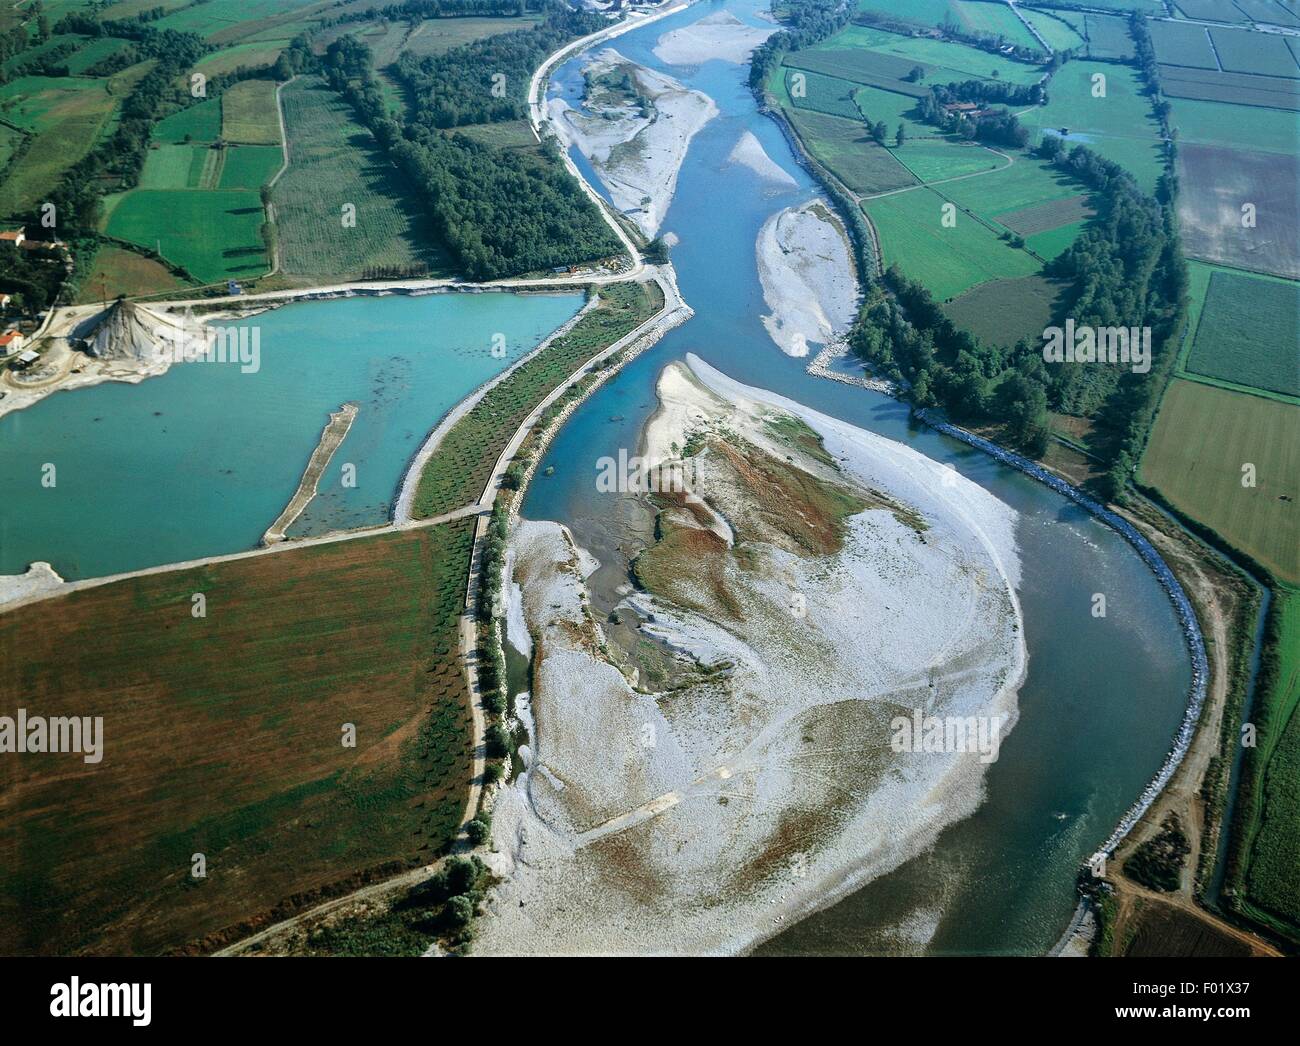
(13, 237)
(10, 342)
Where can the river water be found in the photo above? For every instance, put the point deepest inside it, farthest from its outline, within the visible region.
(1103, 697)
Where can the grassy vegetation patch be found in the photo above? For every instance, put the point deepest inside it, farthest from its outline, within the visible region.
(1119, 125)
(846, 149)
(1002, 312)
(1248, 333)
(249, 114)
(334, 162)
(213, 235)
(1269, 92)
(236, 757)
(1235, 126)
(250, 166)
(1183, 43)
(1202, 438)
(948, 261)
(115, 271)
(198, 123)
(1243, 51)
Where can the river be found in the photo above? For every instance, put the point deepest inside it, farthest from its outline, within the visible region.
(1104, 697)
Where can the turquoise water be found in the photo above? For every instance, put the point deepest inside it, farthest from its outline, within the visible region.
(1103, 697)
(201, 460)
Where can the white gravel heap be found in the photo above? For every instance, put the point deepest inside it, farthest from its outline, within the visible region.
(721, 35)
(707, 818)
(637, 155)
(806, 271)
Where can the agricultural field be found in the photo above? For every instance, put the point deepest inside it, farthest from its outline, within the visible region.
(1236, 126)
(1119, 125)
(436, 36)
(214, 235)
(198, 123)
(333, 162)
(94, 52)
(249, 166)
(1248, 330)
(1108, 37)
(948, 261)
(508, 134)
(1165, 931)
(831, 95)
(249, 114)
(1269, 12)
(1274, 830)
(237, 758)
(858, 52)
(1202, 437)
(1053, 28)
(254, 54)
(846, 149)
(938, 159)
(1177, 43)
(116, 271)
(458, 472)
(1002, 312)
(225, 23)
(1242, 89)
(67, 116)
(997, 19)
(874, 105)
(1264, 54)
(1216, 182)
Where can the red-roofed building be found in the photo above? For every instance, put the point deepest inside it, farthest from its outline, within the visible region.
(13, 236)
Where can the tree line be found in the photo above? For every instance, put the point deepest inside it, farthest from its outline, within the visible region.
(501, 212)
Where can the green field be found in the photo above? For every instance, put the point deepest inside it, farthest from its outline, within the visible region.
(175, 167)
(996, 19)
(1179, 43)
(214, 235)
(1062, 35)
(255, 54)
(846, 149)
(1003, 312)
(1265, 54)
(1248, 332)
(831, 95)
(1119, 126)
(1272, 874)
(333, 163)
(1108, 37)
(934, 159)
(238, 757)
(1236, 126)
(249, 114)
(198, 123)
(250, 166)
(948, 261)
(875, 104)
(1202, 437)
(93, 53)
(849, 54)
(67, 115)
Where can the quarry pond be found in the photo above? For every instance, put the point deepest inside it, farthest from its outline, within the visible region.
(1102, 699)
(200, 460)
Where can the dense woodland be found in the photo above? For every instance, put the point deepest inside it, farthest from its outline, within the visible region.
(501, 212)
